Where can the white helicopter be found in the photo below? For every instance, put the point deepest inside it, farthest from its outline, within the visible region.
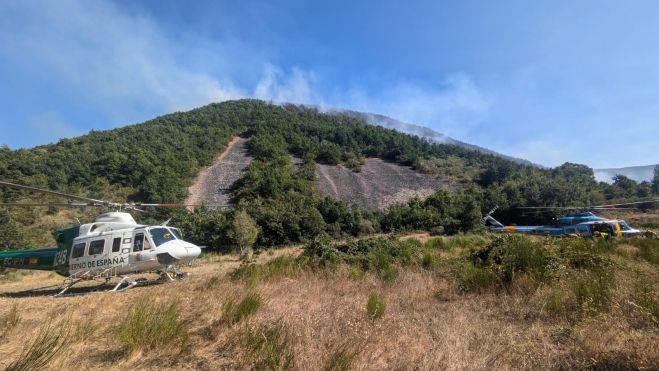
(112, 246)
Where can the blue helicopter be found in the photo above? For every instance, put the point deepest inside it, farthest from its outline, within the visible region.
(583, 223)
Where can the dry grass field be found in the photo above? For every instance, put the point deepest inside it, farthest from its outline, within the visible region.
(429, 309)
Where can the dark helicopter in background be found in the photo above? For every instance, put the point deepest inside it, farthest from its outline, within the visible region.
(583, 222)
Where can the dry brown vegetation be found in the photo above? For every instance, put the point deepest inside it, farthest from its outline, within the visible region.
(281, 314)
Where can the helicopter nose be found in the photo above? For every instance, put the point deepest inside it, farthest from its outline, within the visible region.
(179, 252)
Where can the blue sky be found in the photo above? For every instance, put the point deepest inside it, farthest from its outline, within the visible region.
(549, 81)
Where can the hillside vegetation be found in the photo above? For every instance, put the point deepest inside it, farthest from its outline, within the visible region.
(155, 161)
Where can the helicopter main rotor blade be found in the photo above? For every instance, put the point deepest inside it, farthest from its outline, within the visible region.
(593, 207)
(628, 203)
(70, 204)
(69, 196)
(86, 201)
(551, 207)
(178, 205)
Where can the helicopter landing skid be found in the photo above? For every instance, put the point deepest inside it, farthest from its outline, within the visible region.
(171, 274)
(66, 288)
(124, 280)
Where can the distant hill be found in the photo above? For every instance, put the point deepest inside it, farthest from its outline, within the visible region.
(637, 173)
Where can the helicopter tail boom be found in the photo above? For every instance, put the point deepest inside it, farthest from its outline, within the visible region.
(38, 259)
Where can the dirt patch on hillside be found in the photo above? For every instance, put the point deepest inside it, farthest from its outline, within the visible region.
(378, 184)
(213, 183)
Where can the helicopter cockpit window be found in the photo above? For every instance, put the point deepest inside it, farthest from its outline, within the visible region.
(161, 235)
(78, 250)
(176, 232)
(623, 225)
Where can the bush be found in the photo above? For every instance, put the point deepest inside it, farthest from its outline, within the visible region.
(281, 266)
(472, 278)
(269, 348)
(511, 255)
(648, 249)
(428, 261)
(592, 288)
(149, 325)
(555, 302)
(233, 313)
(375, 306)
(647, 297)
(381, 262)
(438, 243)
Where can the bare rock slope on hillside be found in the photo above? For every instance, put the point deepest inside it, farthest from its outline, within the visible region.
(213, 184)
(378, 184)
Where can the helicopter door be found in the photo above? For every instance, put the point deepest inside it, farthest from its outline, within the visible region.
(77, 261)
(137, 247)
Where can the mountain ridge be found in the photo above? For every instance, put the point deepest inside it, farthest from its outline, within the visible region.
(642, 173)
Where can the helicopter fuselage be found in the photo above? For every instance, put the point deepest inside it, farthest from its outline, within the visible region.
(582, 224)
(113, 245)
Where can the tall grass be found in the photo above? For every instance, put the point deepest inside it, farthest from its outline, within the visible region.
(375, 306)
(646, 295)
(341, 359)
(268, 348)
(473, 278)
(648, 249)
(52, 340)
(233, 312)
(280, 267)
(149, 325)
(10, 319)
(592, 288)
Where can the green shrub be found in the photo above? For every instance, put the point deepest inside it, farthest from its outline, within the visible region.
(439, 243)
(341, 359)
(428, 261)
(233, 312)
(149, 325)
(280, 267)
(472, 278)
(511, 255)
(592, 288)
(381, 262)
(648, 249)
(555, 302)
(52, 339)
(356, 272)
(408, 250)
(268, 348)
(647, 297)
(376, 305)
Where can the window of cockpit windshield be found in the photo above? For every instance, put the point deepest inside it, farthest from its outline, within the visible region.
(177, 233)
(623, 225)
(161, 235)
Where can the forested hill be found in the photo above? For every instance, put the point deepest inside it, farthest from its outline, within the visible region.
(156, 160)
(159, 157)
